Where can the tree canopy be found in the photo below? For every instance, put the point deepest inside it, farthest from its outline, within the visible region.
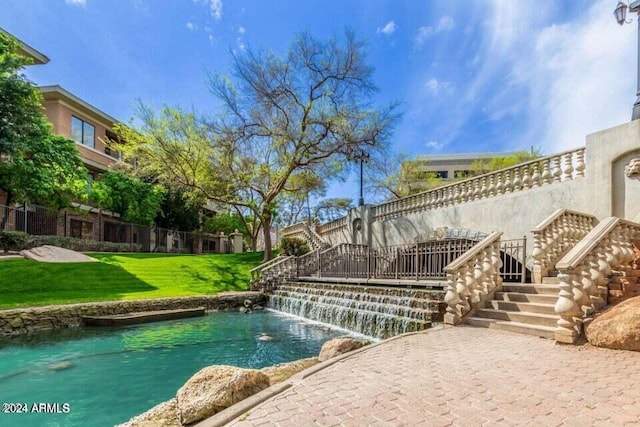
(282, 116)
(136, 201)
(35, 166)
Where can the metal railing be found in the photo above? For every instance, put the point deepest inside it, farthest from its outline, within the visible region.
(90, 226)
(513, 254)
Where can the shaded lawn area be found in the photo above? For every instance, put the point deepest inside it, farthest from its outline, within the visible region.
(26, 283)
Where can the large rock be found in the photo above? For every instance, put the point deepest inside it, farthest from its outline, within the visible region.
(49, 253)
(282, 371)
(339, 346)
(617, 328)
(163, 415)
(215, 388)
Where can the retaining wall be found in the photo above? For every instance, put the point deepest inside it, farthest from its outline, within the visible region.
(27, 320)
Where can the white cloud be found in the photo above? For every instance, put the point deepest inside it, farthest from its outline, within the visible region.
(215, 7)
(241, 30)
(435, 145)
(435, 86)
(240, 44)
(446, 23)
(191, 26)
(388, 29)
(76, 2)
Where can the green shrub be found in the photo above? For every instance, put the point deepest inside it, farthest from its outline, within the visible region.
(293, 246)
(13, 240)
(81, 245)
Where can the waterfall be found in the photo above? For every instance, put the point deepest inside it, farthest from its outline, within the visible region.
(378, 312)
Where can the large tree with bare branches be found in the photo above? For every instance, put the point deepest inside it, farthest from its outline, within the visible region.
(282, 116)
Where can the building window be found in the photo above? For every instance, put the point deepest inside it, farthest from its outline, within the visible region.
(83, 132)
(442, 174)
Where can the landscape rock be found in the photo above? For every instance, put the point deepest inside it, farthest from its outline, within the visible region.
(339, 346)
(163, 415)
(282, 371)
(618, 328)
(215, 388)
(49, 253)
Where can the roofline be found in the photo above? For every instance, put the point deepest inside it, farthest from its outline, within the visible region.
(464, 156)
(77, 102)
(38, 57)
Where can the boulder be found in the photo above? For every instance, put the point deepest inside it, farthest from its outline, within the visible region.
(163, 415)
(617, 328)
(338, 346)
(215, 388)
(282, 371)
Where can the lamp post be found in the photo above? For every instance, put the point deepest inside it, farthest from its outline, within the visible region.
(620, 14)
(363, 156)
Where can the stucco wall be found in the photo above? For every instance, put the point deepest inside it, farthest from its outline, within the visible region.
(514, 214)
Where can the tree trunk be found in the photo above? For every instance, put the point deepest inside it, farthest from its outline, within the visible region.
(266, 229)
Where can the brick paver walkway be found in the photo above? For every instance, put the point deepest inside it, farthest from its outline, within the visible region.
(464, 376)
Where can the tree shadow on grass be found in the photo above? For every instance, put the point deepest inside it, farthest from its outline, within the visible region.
(29, 283)
(228, 278)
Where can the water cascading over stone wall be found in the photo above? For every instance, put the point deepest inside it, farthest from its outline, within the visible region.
(378, 312)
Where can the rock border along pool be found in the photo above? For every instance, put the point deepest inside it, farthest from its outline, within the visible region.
(33, 319)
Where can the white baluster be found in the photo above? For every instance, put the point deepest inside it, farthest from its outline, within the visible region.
(545, 178)
(536, 177)
(516, 180)
(580, 162)
(508, 183)
(557, 170)
(567, 170)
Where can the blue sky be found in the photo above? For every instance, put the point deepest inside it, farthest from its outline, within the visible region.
(470, 76)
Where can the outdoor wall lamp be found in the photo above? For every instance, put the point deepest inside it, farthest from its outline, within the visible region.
(620, 14)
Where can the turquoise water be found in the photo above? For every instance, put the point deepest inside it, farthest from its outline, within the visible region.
(108, 375)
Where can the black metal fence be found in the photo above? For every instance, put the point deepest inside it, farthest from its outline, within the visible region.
(414, 261)
(40, 221)
(513, 254)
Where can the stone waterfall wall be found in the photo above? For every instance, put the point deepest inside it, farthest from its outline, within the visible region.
(26, 320)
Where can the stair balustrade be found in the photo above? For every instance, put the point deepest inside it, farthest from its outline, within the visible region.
(584, 269)
(472, 278)
(555, 236)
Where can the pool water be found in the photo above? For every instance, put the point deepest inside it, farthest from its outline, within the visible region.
(108, 375)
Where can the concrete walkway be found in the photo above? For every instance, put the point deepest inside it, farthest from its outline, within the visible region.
(463, 376)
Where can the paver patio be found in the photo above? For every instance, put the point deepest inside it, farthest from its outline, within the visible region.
(464, 376)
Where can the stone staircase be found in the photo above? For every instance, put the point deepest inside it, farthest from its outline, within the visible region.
(523, 308)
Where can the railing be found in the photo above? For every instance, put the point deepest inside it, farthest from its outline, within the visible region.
(565, 166)
(30, 219)
(472, 278)
(332, 226)
(584, 269)
(295, 230)
(556, 235)
(513, 254)
(284, 268)
(85, 224)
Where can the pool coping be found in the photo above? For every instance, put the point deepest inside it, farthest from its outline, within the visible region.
(232, 412)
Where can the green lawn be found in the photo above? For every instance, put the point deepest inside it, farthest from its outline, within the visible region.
(26, 283)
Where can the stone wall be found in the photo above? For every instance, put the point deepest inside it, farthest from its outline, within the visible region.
(26, 320)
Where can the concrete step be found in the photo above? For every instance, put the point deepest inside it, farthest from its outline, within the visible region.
(521, 328)
(532, 288)
(526, 307)
(550, 281)
(517, 316)
(520, 297)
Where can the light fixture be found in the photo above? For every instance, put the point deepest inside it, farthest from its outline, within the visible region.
(621, 13)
